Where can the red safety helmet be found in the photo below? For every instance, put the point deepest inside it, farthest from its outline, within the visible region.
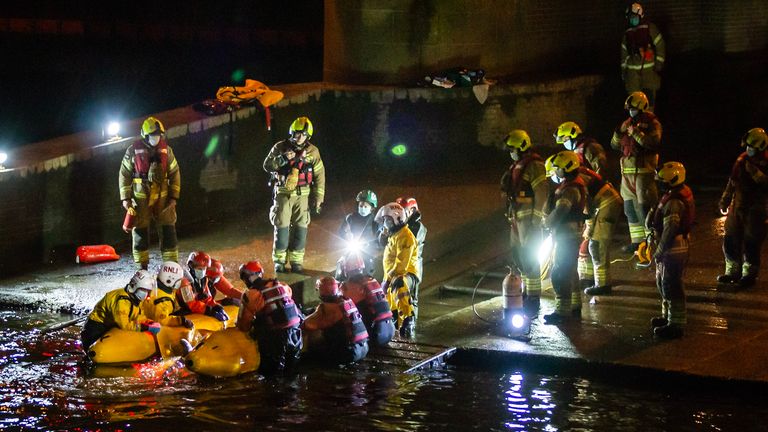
(353, 264)
(198, 259)
(408, 204)
(251, 272)
(215, 271)
(327, 286)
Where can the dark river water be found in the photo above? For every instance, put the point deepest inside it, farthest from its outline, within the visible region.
(43, 386)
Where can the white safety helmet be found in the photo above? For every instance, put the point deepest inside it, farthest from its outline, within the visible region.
(170, 275)
(141, 285)
(393, 210)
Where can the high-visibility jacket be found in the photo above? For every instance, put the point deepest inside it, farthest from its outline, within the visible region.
(118, 309)
(747, 188)
(160, 306)
(672, 219)
(525, 184)
(600, 193)
(307, 161)
(640, 151)
(269, 302)
(369, 297)
(642, 47)
(591, 154)
(149, 175)
(339, 319)
(570, 199)
(401, 254)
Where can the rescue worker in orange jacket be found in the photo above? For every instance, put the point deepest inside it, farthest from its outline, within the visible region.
(400, 266)
(121, 308)
(162, 303)
(150, 184)
(270, 316)
(524, 186)
(566, 221)
(642, 54)
(336, 329)
(298, 178)
(371, 301)
(591, 154)
(197, 297)
(217, 282)
(639, 139)
(671, 222)
(744, 201)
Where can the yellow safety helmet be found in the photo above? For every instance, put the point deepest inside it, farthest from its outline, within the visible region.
(671, 173)
(635, 8)
(518, 139)
(755, 137)
(549, 167)
(567, 130)
(302, 124)
(637, 100)
(567, 161)
(151, 126)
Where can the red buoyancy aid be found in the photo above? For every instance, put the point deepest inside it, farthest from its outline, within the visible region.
(639, 41)
(352, 320)
(576, 213)
(195, 295)
(142, 159)
(629, 146)
(517, 169)
(595, 182)
(742, 178)
(279, 309)
(684, 194)
(376, 303)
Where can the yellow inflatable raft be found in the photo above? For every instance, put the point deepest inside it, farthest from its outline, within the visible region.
(205, 324)
(224, 354)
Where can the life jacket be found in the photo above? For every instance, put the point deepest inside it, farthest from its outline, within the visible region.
(639, 42)
(279, 309)
(580, 150)
(352, 321)
(743, 179)
(517, 188)
(594, 183)
(196, 290)
(304, 168)
(629, 146)
(142, 159)
(376, 304)
(684, 194)
(576, 213)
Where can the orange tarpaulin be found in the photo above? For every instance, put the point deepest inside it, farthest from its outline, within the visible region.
(252, 90)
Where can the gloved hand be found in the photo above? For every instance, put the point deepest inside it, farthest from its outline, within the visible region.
(385, 285)
(624, 126)
(126, 204)
(398, 282)
(217, 312)
(185, 322)
(201, 296)
(723, 205)
(170, 206)
(150, 326)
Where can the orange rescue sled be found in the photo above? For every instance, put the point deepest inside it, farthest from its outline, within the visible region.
(95, 253)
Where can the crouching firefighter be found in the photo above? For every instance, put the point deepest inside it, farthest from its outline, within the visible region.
(367, 294)
(335, 329)
(525, 189)
(298, 180)
(270, 316)
(566, 221)
(671, 223)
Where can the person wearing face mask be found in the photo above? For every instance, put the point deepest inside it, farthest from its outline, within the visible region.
(525, 189)
(566, 221)
(360, 232)
(196, 297)
(121, 308)
(150, 184)
(671, 222)
(401, 273)
(744, 201)
(638, 138)
(217, 282)
(642, 54)
(419, 230)
(591, 153)
(298, 180)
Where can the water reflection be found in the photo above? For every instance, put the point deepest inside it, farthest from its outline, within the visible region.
(44, 386)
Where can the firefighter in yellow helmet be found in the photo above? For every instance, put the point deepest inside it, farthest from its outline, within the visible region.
(566, 221)
(744, 201)
(298, 180)
(524, 186)
(642, 54)
(591, 153)
(671, 222)
(638, 139)
(150, 184)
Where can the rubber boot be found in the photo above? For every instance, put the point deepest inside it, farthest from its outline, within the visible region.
(553, 318)
(747, 281)
(297, 268)
(279, 267)
(729, 278)
(630, 248)
(598, 290)
(531, 306)
(408, 329)
(658, 321)
(669, 331)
